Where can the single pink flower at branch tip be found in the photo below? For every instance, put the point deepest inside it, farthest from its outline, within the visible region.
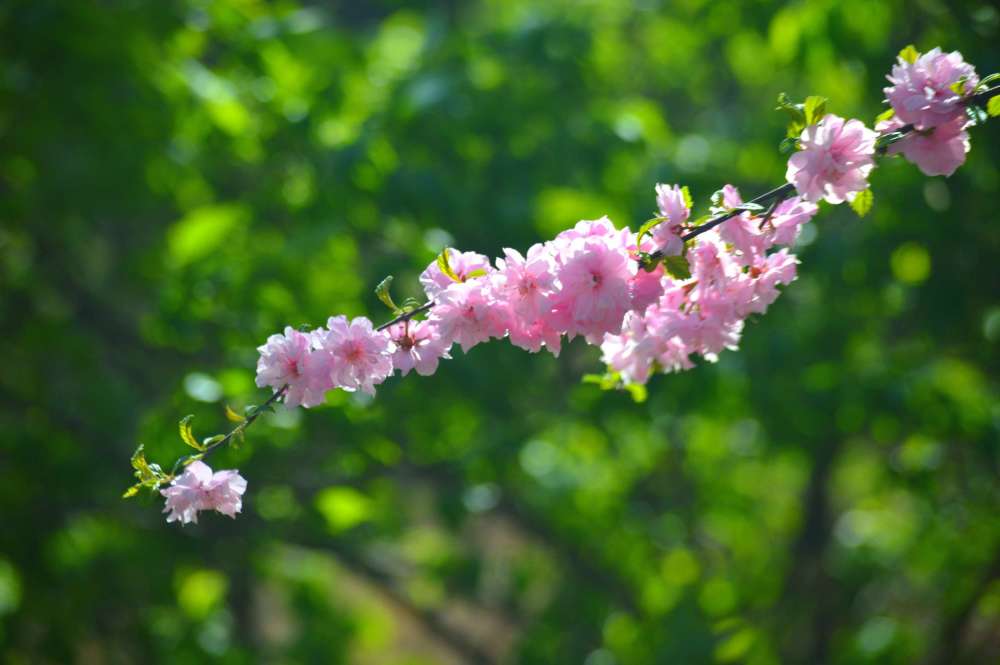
(836, 157)
(358, 356)
(921, 93)
(198, 488)
(936, 151)
(289, 360)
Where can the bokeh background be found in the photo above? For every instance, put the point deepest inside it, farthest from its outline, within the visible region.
(179, 180)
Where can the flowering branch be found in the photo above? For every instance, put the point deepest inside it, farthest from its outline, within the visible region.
(652, 299)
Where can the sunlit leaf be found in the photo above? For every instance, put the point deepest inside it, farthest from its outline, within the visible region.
(445, 267)
(233, 416)
(862, 202)
(909, 54)
(187, 436)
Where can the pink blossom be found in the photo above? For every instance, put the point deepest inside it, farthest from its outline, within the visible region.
(466, 265)
(666, 234)
(467, 313)
(358, 356)
(533, 335)
(419, 346)
(594, 287)
(288, 360)
(199, 489)
(778, 268)
(835, 160)
(744, 231)
(526, 284)
(936, 151)
(632, 352)
(788, 218)
(921, 92)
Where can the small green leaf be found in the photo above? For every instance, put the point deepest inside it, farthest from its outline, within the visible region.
(984, 83)
(958, 87)
(749, 206)
(909, 54)
(795, 111)
(993, 107)
(211, 440)
(184, 426)
(232, 416)
(445, 267)
(637, 391)
(382, 291)
(862, 202)
(788, 145)
(132, 491)
(646, 228)
(478, 272)
(887, 114)
(677, 266)
(815, 109)
(688, 201)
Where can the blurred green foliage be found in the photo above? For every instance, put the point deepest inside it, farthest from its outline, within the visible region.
(180, 179)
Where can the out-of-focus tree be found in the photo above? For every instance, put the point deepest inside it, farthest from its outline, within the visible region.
(181, 179)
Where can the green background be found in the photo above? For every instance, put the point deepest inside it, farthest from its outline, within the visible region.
(179, 180)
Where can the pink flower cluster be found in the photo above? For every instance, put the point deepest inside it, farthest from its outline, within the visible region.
(584, 282)
(928, 94)
(199, 489)
(732, 276)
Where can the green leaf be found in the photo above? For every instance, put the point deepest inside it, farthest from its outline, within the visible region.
(909, 54)
(984, 83)
(862, 202)
(382, 291)
(958, 87)
(795, 111)
(184, 426)
(211, 440)
(142, 470)
(445, 267)
(132, 491)
(688, 201)
(478, 272)
(815, 109)
(993, 107)
(887, 114)
(677, 267)
(637, 391)
(648, 227)
(749, 206)
(232, 416)
(788, 145)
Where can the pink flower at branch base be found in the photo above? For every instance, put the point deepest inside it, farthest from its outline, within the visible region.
(836, 157)
(419, 346)
(288, 360)
(921, 92)
(358, 357)
(199, 489)
(936, 151)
